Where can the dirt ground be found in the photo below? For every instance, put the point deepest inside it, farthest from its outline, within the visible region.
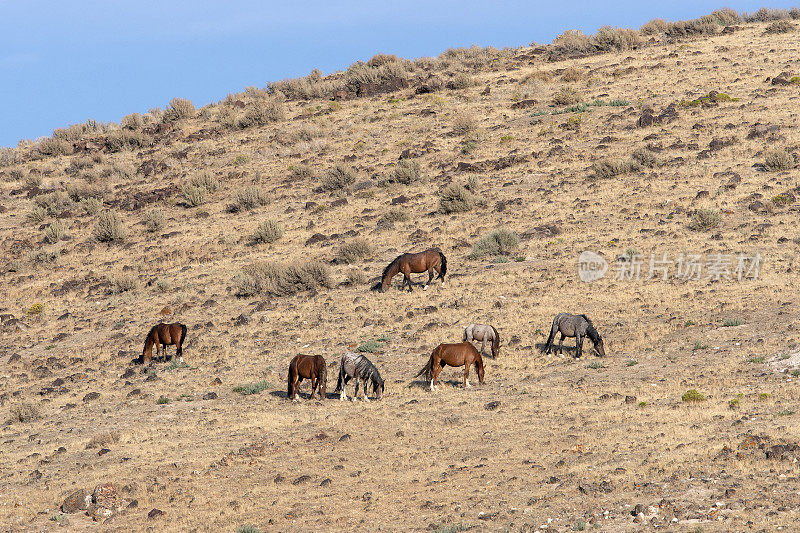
(547, 443)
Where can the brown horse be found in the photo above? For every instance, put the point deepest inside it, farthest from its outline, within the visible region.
(161, 335)
(427, 261)
(461, 354)
(309, 367)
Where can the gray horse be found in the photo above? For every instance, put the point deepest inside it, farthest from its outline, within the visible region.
(578, 326)
(483, 333)
(358, 367)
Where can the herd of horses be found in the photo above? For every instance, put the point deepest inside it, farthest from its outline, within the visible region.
(356, 366)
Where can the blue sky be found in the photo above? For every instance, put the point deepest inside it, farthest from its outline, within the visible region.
(65, 62)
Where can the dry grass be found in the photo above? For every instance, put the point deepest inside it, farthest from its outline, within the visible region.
(268, 231)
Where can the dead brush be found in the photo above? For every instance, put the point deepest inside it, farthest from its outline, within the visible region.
(103, 440)
(572, 74)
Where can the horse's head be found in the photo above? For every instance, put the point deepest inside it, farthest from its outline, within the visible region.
(598, 346)
(377, 388)
(479, 367)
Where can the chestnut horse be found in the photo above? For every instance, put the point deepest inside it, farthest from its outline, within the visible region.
(161, 335)
(461, 354)
(427, 261)
(307, 367)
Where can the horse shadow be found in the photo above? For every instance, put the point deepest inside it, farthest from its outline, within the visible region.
(301, 395)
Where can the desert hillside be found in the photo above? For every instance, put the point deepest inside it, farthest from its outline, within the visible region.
(263, 221)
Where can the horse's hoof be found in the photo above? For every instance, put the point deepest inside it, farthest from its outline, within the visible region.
(425, 288)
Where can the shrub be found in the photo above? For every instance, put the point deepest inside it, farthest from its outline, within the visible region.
(780, 26)
(55, 232)
(607, 169)
(248, 198)
(777, 160)
(406, 171)
(261, 112)
(268, 231)
(654, 27)
(353, 251)
(644, 158)
(571, 74)
(391, 216)
(566, 96)
(101, 440)
(109, 228)
(43, 256)
(355, 277)
(124, 139)
(205, 180)
(608, 38)
(278, 279)
(692, 395)
(463, 122)
(571, 43)
(124, 283)
(247, 529)
(733, 322)
(163, 400)
(179, 108)
(252, 388)
(299, 172)
(194, 196)
(154, 219)
(461, 81)
(54, 203)
(53, 147)
(37, 214)
(455, 199)
(498, 242)
(338, 178)
(35, 309)
(24, 412)
(92, 206)
(134, 121)
(705, 219)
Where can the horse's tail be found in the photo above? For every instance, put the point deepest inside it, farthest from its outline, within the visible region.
(292, 371)
(552, 336)
(323, 372)
(444, 265)
(427, 369)
(183, 334)
(466, 335)
(495, 343)
(340, 381)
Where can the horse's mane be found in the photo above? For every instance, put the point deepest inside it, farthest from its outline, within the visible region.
(591, 331)
(587, 319)
(386, 270)
(365, 367)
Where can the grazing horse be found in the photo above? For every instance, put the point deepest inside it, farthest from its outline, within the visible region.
(483, 333)
(162, 335)
(461, 354)
(355, 365)
(307, 367)
(578, 326)
(427, 261)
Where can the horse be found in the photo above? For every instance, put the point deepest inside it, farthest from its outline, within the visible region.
(355, 365)
(461, 354)
(427, 261)
(162, 335)
(578, 326)
(307, 367)
(483, 332)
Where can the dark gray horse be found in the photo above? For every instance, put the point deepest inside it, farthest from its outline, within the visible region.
(355, 365)
(578, 326)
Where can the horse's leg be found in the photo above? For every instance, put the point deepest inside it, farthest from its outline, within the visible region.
(578, 346)
(297, 382)
(483, 345)
(166, 357)
(561, 345)
(407, 277)
(430, 278)
(466, 376)
(364, 386)
(343, 394)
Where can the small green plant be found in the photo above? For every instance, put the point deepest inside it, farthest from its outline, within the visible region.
(595, 365)
(689, 323)
(252, 388)
(463, 122)
(733, 322)
(785, 412)
(692, 395)
(699, 346)
(91, 206)
(57, 517)
(371, 346)
(241, 159)
(268, 231)
(632, 362)
(247, 529)
(757, 359)
(124, 283)
(154, 219)
(194, 195)
(642, 405)
(781, 199)
(35, 309)
(764, 396)
(506, 138)
(453, 528)
(205, 180)
(705, 219)
(580, 525)
(162, 400)
(406, 171)
(733, 404)
(175, 364)
(391, 216)
(795, 372)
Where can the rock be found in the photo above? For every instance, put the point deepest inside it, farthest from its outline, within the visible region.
(103, 451)
(326, 482)
(630, 399)
(302, 479)
(155, 513)
(344, 437)
(105, 502)
(78, 500)
(91, 396)
(487, 91)
(129, 373)
(216, 381)
(523, 104)
(210, 396)
(544, 231)
(242, 320)
(397, 200)
(317, 237)
(492, 406)
(279, 479)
